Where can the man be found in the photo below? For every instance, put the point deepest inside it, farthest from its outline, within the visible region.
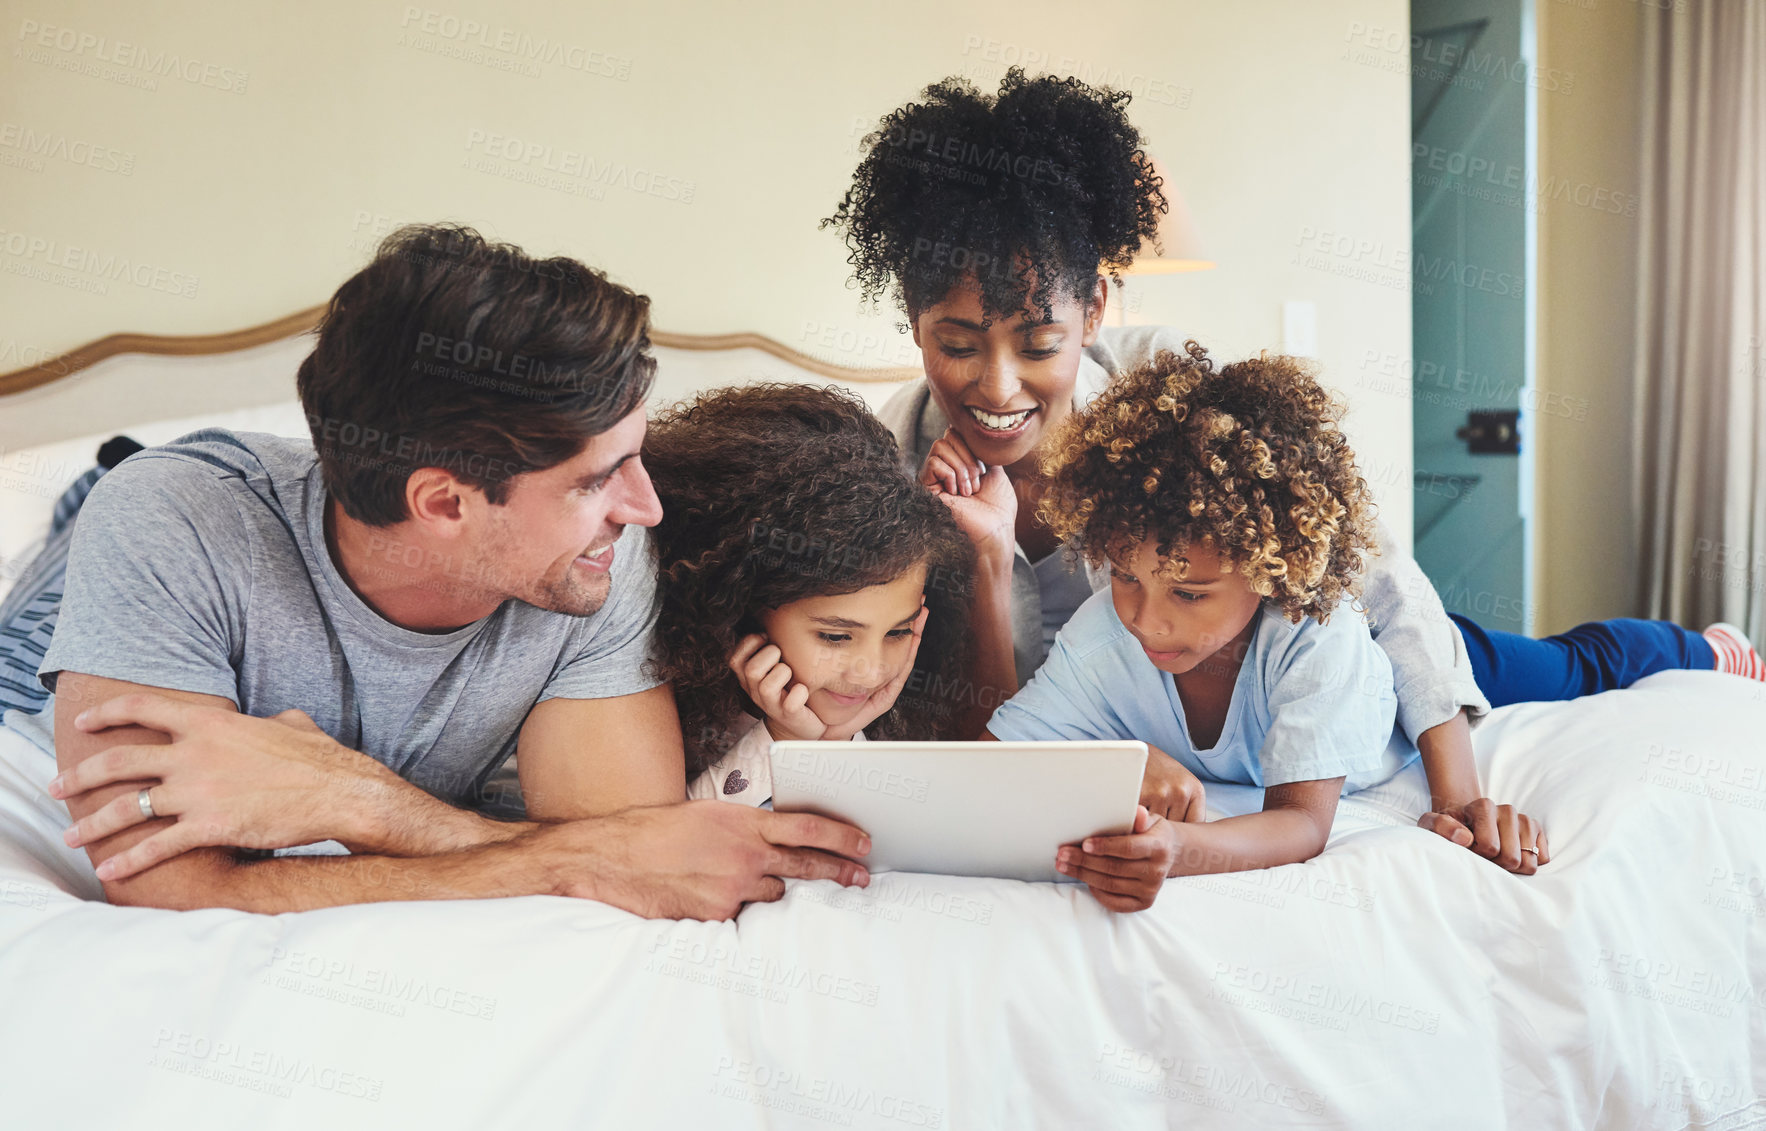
(265, 643)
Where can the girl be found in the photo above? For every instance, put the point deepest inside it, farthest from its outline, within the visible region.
(998, 273)
(809, 587)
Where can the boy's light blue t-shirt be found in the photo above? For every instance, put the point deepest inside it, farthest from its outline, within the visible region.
(1311, 701)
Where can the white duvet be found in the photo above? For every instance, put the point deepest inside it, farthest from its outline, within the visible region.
(1395, 981)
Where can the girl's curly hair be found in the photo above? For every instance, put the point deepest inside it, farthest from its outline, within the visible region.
(1025, 192)
(773, 493)
(1250, 457)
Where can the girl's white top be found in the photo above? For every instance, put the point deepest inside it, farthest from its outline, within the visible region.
(745, 773)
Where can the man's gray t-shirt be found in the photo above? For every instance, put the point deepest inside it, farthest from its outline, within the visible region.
(201, 566)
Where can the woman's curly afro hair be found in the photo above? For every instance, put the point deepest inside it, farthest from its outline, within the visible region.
(1024, 192)
(773, 493)
(1249, 457)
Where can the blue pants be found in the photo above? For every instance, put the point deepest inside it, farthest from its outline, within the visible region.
(1601, 655)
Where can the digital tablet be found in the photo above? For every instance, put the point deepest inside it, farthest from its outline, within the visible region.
(965, 808)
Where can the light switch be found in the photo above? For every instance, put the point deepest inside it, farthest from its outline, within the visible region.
(1300, 327)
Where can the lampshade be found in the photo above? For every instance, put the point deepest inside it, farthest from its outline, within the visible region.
(1177, 232)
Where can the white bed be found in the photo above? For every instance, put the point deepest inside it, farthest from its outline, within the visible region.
(1396, 981)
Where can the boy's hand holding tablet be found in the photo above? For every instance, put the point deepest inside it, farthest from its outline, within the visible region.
(1124, 872)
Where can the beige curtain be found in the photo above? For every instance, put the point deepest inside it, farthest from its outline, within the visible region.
(1701, 326)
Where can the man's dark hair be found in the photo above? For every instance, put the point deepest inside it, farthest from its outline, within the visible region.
(1027, 192)
(450, 351)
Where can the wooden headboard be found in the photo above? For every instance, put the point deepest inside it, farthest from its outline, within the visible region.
(123, 379)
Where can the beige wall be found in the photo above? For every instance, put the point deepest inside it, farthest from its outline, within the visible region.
(1584, 541)
(253, 183)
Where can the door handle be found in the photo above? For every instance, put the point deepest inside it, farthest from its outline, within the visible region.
(1494, 433)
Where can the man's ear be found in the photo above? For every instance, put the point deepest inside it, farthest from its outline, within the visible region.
(435, 500)
(1094, 311)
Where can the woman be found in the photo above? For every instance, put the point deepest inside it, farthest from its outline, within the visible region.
(987, 218)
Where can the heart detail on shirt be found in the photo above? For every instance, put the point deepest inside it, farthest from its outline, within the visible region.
(735, 783)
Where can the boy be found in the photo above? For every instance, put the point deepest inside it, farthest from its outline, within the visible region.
(1233, 519)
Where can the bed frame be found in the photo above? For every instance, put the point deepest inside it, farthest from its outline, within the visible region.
(121, 379)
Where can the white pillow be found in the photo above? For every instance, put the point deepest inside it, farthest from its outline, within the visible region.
(31, 479)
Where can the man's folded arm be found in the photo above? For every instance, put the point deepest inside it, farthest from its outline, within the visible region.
(590, 757)
(701, 859)
(215, 877)
(375, 812)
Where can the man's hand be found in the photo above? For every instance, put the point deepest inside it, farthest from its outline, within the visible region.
(227, 779)
(1169, 790)
(1124, 872)
(699, 859)
(1500, 833)
(980, 498)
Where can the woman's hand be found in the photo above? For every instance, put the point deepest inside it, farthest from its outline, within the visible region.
(1169, 790)
(884, 697)
(1124, 872)
(951, 467)
(761, 670)
(1497, 832)
(980, 498)
(1500, 833)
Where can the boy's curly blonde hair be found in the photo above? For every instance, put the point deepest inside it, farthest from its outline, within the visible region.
(1249, 458)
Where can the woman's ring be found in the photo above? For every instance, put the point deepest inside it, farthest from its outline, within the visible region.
(143, 799)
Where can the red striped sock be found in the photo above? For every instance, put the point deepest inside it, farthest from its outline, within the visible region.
(1735, 652)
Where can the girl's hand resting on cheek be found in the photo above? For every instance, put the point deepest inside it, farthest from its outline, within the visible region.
(761, 670)
(1502, 834)
(1124, 872)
